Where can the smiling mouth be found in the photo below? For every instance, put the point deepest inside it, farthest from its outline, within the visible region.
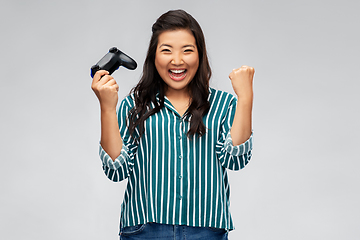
(177, 74)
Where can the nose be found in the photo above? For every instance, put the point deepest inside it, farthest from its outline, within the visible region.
(177, 59)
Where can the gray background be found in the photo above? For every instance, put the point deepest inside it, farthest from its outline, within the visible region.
(302, 182)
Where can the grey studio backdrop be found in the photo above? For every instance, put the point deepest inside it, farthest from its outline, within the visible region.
(302, 182)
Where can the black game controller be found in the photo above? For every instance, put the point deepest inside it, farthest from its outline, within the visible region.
(112, 61)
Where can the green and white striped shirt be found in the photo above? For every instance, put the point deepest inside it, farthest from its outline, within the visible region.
(173, 179)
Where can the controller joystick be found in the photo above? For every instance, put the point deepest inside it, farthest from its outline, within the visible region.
(112, 61)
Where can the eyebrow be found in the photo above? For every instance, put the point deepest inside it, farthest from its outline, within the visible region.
(167, 45)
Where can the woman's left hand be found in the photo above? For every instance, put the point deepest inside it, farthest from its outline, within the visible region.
(242, 82)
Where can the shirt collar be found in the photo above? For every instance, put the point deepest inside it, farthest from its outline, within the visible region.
(168, 104)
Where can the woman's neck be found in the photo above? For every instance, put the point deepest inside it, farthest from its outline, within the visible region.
(178, 95)
(181, 100)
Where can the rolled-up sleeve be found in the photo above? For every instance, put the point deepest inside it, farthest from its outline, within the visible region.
(121, 167)
(239, 150)
(230, 156)
(118, 169)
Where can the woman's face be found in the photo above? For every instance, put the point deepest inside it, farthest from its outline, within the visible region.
(177, 59)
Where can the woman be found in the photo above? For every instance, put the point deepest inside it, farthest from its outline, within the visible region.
(174, 137)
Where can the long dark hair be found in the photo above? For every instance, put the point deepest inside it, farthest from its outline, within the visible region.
(151, 84)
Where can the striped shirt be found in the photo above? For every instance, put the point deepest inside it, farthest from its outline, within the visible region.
(174, 179)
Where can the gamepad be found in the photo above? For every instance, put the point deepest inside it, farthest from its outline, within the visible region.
(112, 61)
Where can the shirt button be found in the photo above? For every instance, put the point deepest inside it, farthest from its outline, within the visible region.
(180, 177)
(180, 157)
(180, 137)
(180, 197)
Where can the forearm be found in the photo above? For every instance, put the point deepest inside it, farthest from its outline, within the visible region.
(111, 140)
(242, 125)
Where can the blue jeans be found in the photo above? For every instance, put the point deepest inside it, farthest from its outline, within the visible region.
(152, 231)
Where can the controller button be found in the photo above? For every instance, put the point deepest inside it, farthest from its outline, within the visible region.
(113, 50)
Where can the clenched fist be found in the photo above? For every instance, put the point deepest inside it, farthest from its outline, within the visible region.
(106, 90)
(242, 82)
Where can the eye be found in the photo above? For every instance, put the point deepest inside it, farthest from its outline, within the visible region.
(188, 50)
(165, 50)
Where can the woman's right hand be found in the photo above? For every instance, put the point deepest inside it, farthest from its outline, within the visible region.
(106, 90)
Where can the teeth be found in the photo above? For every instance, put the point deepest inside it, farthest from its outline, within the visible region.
(177, 71)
